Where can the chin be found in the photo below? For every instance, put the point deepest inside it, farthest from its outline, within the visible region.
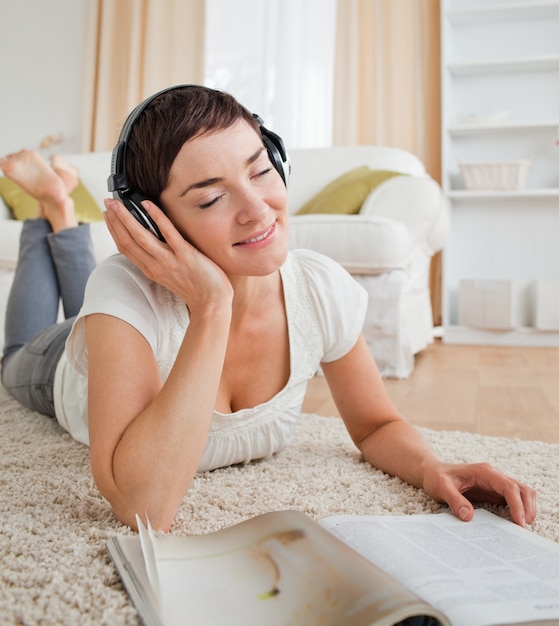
(270, 265)
(265, 264)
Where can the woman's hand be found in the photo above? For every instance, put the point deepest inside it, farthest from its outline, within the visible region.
(461, 484)
(393, 445)
(176, 264)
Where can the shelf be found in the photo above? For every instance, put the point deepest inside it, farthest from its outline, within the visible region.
(516, 11)
(520, 64)
(475, 129)
(525, 336)
(500, 66)
(465, 194)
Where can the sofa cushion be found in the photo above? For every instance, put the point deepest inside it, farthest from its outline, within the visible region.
(361, 244)
(347, 192)
(23, 206)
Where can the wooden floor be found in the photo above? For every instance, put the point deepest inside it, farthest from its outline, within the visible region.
(502, 391)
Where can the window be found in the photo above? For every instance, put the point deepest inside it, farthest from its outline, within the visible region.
(277, 58)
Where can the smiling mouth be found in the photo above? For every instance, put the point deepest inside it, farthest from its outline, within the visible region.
(260, 237)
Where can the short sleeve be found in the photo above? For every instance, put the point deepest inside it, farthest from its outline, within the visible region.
(117, 288)
(339, 302)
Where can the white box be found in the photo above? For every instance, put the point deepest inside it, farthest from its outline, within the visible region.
(546, 304)
(489, 304)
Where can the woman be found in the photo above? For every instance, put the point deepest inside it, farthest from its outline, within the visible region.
(192, 351)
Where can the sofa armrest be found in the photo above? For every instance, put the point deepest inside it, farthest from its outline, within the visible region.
(415, 201)
(94, 168)
(10, 231)
(362, 244)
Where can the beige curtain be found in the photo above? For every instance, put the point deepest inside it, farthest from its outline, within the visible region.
(387, 84)
(133, 49)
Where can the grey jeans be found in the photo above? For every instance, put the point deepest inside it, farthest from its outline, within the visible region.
(51, 268)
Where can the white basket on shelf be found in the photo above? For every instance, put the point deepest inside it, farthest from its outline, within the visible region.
(495, 176)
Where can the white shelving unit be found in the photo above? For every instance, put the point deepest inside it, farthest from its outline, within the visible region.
(500, 102)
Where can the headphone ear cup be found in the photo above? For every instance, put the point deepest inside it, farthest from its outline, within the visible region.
(278, 156)
(276, 150)
(132, 200)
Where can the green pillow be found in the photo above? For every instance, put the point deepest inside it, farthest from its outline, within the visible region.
(346, 193)
(23, 206)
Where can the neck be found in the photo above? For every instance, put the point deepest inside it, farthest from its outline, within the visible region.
(251, 293)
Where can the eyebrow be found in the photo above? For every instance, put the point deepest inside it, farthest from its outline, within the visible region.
(212, 181)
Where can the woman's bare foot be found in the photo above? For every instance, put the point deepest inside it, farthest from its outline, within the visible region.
(66, 171)
(31, 172)
(35, 176)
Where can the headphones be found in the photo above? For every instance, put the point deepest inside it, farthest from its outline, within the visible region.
(132, 199)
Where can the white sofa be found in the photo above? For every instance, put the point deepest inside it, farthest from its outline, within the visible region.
(387, 246)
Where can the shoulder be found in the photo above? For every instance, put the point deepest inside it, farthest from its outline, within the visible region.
(337, 301)
(314, 264)
(321, 273)
(118, 288)
(117, 278)
(117, 267)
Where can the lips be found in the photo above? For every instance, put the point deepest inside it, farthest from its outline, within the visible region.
(260, 237)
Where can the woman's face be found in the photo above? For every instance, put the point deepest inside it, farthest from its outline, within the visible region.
(226, 198)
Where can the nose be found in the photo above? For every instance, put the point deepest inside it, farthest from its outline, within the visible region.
(251, 205)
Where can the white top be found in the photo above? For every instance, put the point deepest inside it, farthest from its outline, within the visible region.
(325, 310)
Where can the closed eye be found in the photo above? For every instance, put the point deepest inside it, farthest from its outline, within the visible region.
(207, 205)
(260, 174)
(263, 172)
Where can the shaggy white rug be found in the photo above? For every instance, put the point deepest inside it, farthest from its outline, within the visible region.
(54, 524)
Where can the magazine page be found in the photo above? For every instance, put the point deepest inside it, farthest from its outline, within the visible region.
(126, 553)
(276, 569)
(479, 573)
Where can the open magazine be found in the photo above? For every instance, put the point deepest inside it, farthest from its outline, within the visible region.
(284, 568)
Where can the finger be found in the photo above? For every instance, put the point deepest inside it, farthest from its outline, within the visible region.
(132, 239)
(116, 216)
(484, 483)
(122, 220)
(127, 245)
(500, 488)
(530, 502)
(118, 230)
(519, 498)
(169, 231)
(460, 506)
(447, 487)
(113, 224)
(515, 503)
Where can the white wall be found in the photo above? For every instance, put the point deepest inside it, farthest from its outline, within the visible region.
(41, 52)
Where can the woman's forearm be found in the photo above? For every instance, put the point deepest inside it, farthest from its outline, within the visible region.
(159, 453)
(399, 449)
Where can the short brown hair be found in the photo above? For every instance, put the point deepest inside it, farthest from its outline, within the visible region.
(167, 123)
